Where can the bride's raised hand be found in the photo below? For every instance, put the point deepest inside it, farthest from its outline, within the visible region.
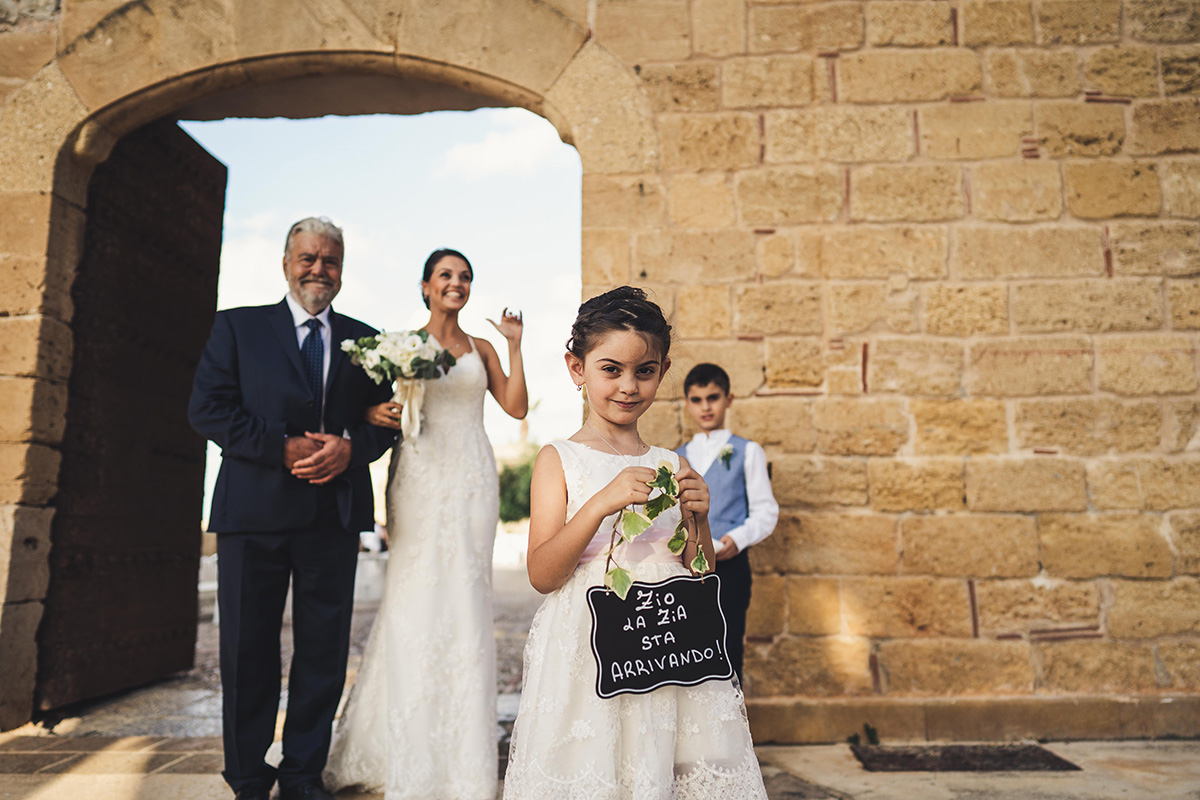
(385, 415)
(511, 326)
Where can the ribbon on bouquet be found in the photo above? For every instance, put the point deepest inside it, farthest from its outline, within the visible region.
(409, 395)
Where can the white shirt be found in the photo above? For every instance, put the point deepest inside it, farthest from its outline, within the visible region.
(763, 511)
(300, 318)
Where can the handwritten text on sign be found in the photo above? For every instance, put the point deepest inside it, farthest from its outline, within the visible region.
(666, 633)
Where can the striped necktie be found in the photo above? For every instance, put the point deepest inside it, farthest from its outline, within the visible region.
(313, 353)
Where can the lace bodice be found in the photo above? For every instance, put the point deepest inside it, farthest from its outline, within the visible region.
(456, 398)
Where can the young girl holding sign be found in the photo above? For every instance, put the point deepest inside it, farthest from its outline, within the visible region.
(680, 742)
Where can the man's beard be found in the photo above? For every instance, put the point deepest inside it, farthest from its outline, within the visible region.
(317, 293)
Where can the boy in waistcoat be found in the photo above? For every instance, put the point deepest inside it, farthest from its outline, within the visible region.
(742, 509)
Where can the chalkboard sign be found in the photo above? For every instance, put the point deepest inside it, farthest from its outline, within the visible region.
(666, 633)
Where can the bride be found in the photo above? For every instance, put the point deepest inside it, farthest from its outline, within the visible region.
(421, 719)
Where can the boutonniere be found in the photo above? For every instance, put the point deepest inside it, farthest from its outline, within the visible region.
(726, 455)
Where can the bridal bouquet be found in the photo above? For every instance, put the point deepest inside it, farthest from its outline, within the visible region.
(407, 357)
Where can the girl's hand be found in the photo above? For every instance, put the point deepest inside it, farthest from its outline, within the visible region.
(630, 487)
(385, 415)
(693, 492)
(510, 326)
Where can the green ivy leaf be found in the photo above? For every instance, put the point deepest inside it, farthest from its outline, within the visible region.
(700, 563)
(656, 505)
(664, 480)
(633, 525)
(679, 540)
(619, 580)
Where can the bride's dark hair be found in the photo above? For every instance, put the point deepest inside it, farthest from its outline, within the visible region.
(622, 309)
(432, 261)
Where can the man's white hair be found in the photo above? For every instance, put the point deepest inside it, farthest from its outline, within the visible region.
(321, 226)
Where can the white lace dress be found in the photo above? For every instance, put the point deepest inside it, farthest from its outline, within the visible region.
(675, 743)
(420, 723)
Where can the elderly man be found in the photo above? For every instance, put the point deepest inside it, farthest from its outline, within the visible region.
(274, 390)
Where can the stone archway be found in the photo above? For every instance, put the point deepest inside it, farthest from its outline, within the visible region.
(146, 61)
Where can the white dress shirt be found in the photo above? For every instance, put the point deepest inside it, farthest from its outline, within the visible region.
(301, 317)
(702, 451)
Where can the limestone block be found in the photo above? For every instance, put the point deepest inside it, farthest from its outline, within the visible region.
(1009, 606)
(1156, 248)
(964, 309)
(775, 422)
(661, 425)
(1100, 189)
(654, 30)
(895, 193)
(954, 667)
(711, 141)
(909, 23)
(704, 256)
(1180, 69)
(572, 9)
(1185, 540)
(775, 254)
(605, 256)
(791, 28)
(36, 120)
(901, 76)
(814, 606)
(906, 608)
(18, 654)
(1079, 21)
(1016, 191)
(795, 362)
(1068, 129)
(818, 482)
(623, 202)
(1181, 660)
(35, 411)
(1096, 666)
(1181, 186)
(1088, 426)
(1123, 304)
(703, 312)
(1130, 71)
(1149, 609)
(743, 360)
(838, 544)
(1025, 484)
(26, 50)
(839, 133)
(24, 552)
(868, 251)
(35, 347)
(1099, 545)
(975, 130)
(80, 16)
(768, 612)
(1165, 126)
(1152, 484)
(1133, 365)
(1181, 424)
(959, 427)
(790, 195)
(1183, 298)
(718, 27)
(28, 473)
(860, 427)
(920, 485)
(778, 308)
(1022, 366)
(1163, 20)
(915, 367)
(24, 281)
(1033, 73)
(976, 545)
(996, 22)
(689, 86)
(826, 666)
(767, 81)
(701, 200)
(862, 306)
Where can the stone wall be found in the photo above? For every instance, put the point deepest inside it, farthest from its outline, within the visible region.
(948, 249)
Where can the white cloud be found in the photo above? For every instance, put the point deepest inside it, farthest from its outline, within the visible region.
(527, 145)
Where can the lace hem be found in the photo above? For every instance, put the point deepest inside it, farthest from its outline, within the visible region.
(700, 781)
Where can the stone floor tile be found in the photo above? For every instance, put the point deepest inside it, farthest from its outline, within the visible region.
(113, 763)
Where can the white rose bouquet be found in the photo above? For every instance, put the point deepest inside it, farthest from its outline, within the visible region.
(409, 359)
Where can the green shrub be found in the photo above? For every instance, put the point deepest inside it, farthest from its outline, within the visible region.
(514, 489)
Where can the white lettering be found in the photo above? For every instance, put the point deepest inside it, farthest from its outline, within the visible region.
(616, 671)
(681, 613)
(668, 638)
(641, 622)
(645, 599)
(664, 616)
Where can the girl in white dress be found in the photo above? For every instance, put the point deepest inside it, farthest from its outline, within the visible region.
(676, 742)
(421, 720)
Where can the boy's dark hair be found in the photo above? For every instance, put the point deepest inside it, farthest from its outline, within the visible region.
(704, 374)
(622, 309)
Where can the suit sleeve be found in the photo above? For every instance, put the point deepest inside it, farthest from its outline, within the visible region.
(216, 410)
(368, 442)
(763, 509)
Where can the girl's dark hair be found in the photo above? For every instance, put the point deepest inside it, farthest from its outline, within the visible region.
(432, 261)
(622, 309)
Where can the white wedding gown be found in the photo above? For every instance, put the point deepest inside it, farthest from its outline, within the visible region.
(420, 723)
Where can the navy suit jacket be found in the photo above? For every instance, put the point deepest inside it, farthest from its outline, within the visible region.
(250, 391)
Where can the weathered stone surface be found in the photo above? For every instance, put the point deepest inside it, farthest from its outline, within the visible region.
(1124, 304)
(773, 308)
(35, 347)
(795, 362)
(35, 411)
(924, 193)
(1163, 20)
(920, 485)
(1033, 72)
(1181, 186)
(24, 551)
(835, 544)
(959, 427)
(712, 141)
(975, 130)
(866, 306)
(36, 120)
(28, 473)
(1088, 426)
(705, 256)
(18, 654)
(1165, 126)
(1099, 545)
(860, 427)
(814, 606)
(653, 30)
(839, 133)
(1080, 129)
(817, 482)
(1181, 425)
(689, 86)
(1152, 364)
(820, 667)
(26, 50)
(768, 612)
(790, 195)
(605, 254)
(1180, 69)
(1156, 248)
(1021, 366)
(975, 545)
(898, 76)
(965, 309)
(1101, 189)
(662, 425)
(743, 360)
(701, 200)
(1152, 484)
(909, 23)
(718, 27)
(915, 367)
(1079, 21)
(1181, 661)
(1127, 70)
(1026, 484)
(1149, 609)
(1016, 192)
(868, 251)
(949, 667)
(1096, 666)
(767, 81)
(1011, 252)
(623, 202)
(794, 28)
(996, 22)
(783, 422)
(906, 607)
(776, 255)
(703, 312)
(1012, 606)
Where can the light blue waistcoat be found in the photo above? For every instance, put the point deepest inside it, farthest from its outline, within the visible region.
(728, 507)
